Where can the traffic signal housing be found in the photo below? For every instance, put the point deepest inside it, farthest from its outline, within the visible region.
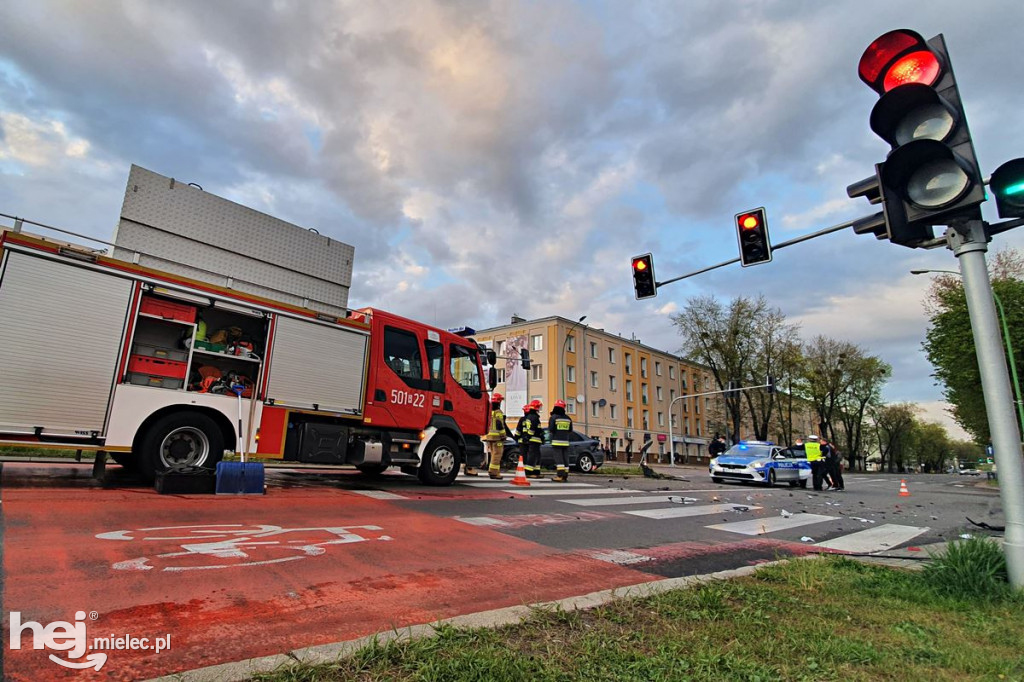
(931, 175)
(1007, 184)
(644, 285)
(524, 358)
(752, 234)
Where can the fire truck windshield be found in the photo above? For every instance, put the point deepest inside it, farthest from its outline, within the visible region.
(465, 369)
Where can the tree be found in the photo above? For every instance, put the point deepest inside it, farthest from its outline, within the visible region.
(893, 426)
(827, 378)
(867, 375)
(949, 342)
(743, 341)
(930, 446)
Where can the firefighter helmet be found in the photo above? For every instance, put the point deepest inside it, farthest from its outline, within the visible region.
(536, 405)
(497, 397)
(560, 403)
(526, 407)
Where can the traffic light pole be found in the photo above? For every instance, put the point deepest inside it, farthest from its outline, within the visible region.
(969, 243)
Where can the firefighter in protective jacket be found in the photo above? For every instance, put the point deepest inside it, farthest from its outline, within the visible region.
(496, 434)
(560, 426)
(534, 435)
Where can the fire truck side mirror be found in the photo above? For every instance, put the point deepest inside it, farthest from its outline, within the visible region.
(492, 358)
(492, 377)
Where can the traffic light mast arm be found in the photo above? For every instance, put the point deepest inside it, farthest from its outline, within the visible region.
(791, 242)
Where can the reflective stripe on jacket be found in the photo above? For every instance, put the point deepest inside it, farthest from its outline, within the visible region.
(497, 431)
(813, 451)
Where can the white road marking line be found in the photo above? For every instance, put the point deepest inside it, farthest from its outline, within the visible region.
(618, 556)
(481, 521)
(633, 499)
(544, 482)
(874, 539)
(680, 511)
(770, 524)
(551, 491)
(378, 494)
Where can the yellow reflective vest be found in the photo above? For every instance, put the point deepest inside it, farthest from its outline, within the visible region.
(813, 450)
(497, 431)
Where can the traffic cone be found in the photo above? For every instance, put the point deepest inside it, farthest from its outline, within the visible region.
(903, 488)
(520, 478)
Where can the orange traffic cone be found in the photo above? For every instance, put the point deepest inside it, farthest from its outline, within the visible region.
(903, 488)
(520, 478)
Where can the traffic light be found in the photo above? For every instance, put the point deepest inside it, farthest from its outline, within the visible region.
(931, 175)
(1007, 184)
(752, 234)
(643, 277)
(769, 384)
(524, 358)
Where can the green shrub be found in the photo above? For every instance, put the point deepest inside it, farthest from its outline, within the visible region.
(974, 568)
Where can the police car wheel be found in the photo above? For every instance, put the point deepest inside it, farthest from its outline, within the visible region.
(770, 479)
(793, 484)
(716, 479)
(803, 483)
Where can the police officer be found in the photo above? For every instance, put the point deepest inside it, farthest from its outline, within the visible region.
(495, 437)
(559, 426)
(534, 437)
(814, 457)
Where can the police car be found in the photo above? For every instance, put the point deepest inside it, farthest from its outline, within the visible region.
(760, 462)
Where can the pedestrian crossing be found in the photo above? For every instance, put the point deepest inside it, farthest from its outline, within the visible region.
(659, 506)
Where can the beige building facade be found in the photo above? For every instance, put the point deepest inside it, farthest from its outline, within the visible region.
(616, 390)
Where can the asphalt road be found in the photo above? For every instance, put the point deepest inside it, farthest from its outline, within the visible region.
(330, 555)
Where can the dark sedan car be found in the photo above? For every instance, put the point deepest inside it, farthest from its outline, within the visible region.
(584, 454)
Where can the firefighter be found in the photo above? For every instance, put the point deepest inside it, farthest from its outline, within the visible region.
(534, 437)
(496, 436)
(559, 426)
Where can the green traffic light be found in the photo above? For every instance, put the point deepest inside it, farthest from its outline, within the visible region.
(1007, 184)
(1014, 189)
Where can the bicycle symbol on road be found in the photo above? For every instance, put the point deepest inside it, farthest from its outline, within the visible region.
(234, 545)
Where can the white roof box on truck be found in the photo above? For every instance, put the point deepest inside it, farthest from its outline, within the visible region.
(175, 227)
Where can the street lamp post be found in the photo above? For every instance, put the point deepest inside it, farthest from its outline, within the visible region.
(566, 341)
(1006, 339)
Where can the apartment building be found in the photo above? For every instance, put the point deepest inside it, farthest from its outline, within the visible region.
(616, 389)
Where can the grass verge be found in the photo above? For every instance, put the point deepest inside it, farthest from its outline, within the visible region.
(823, 619)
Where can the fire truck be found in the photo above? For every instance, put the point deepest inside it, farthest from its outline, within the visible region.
(162, 371)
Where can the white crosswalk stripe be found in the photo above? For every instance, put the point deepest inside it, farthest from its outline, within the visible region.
(680, 511)
(543, 482)
(877, 539)
(770, 524)
(614, 501)
(551, 492)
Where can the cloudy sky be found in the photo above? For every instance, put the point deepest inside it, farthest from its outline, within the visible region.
(491, 158)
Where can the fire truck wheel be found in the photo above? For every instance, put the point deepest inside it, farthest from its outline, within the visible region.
(128, 460)
(181, 439)
(441, 462)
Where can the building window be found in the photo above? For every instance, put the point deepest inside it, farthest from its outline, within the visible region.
(613, 412)
(629, 417)
(696, 407)
(672, 418)
(500, 348)
(538, 372)
(611, 355)
(707, 384)
(537, 342)
(570, 374)
(672, 372)
(643, 368)
(647, 420)
(570, 343)
(595, 409)
(682, 380)
(686, 405)
(593, 380)
(629, 390)
(570, 407)
(661, 419)
(657, 369)
(686, 426)
(660, 394)
(613, 382)
(593, 350)
(501, 375)
(629, 363)
(698, 428)
(643, 393)
(672, 394)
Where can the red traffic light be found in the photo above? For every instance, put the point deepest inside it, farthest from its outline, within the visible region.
(897, 58)
(639, 263)
(750, 221)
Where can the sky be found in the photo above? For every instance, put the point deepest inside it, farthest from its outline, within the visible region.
(496, 158)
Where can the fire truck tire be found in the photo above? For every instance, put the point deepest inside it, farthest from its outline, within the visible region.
(372, 469)
(181, 439)
(441, 462)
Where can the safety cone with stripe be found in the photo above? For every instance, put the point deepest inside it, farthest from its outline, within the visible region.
(520, 478)
(903, 488)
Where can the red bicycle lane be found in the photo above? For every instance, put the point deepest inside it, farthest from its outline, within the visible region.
(230, 578)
